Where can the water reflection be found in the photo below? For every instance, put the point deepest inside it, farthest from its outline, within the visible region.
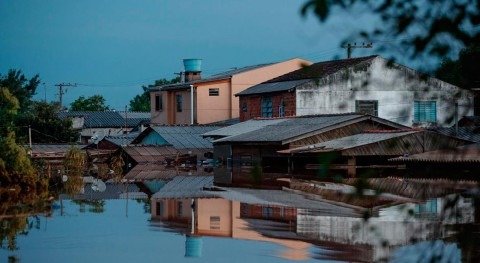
(306, 233)
(190, 218)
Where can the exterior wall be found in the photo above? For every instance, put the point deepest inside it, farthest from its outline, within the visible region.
(169, 114)
(213, 108)
(245, 80)
(394, 87)
(254, 105)
(159, 117)
(214, 217)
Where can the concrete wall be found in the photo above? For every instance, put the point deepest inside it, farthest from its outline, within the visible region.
(169, 114)
(395, 87)
(213, 108)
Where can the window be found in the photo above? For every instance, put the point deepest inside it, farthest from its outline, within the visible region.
(267, 107)
(367, 107)
(159, 209)
(267, 212)
(158, 103)
(213, 92)
(180, 208)
(425, 111)
(244, 107)
(281, 109)
(214, 222)
(179, 103)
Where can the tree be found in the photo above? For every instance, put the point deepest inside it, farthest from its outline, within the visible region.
(141, 102)
(429, 27)
(45, 124)
(93, 103)
(462, 72)
(20, 87)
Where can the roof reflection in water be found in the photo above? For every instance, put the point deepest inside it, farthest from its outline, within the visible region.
(305, 228)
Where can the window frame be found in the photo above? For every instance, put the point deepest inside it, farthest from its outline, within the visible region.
(158, 103)
(179, 102)
(364, 103)
(213, 92)
(425, 111)
(267, 107)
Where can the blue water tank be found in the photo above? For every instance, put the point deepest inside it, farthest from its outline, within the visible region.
(192, 65)
(193, 247)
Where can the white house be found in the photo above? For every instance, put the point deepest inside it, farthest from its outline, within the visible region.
(371, 85)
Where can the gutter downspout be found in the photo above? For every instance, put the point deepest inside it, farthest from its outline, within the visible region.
(191, 104)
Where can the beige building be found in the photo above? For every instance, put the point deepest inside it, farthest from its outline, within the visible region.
(211, 99)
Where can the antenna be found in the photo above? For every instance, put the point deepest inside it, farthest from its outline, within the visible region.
(349, 47)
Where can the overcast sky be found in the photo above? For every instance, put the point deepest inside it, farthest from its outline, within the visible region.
(112, 48)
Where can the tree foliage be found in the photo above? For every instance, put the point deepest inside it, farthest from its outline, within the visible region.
(462, 72)
(141, 102)
(19, 86)
(92, 103)
(429, 27)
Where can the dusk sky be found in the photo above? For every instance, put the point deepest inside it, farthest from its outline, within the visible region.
(112, 48)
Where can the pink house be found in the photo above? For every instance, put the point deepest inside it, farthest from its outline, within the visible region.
(211, 99)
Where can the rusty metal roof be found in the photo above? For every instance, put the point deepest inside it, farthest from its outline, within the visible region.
(467, 153)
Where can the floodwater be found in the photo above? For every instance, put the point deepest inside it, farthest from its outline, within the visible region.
(245, 225)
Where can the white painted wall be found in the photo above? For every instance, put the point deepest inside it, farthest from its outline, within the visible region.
(395, 87)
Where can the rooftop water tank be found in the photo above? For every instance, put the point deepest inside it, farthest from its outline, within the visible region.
(193, 247)
(192, 65)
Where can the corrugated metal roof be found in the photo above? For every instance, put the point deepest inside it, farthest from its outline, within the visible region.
(101, 119)
(186, 187)
(467, 153)
(272, 87)
(122, 139)
(351, 141)
(186, 137)
(466, 133)
(225, 122)
(112, 191)
(279, 130)
(242, 127)
(215, 77)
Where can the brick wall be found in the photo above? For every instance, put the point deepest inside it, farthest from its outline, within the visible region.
(254, 105)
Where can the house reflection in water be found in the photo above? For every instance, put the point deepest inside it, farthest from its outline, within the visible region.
(312, 230)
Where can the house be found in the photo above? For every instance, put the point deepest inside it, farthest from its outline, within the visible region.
(163, 152)
(370, 85)
(94, 125)
(205, 100)
(259, 151)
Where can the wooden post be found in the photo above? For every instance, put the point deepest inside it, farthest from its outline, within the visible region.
(352, 166)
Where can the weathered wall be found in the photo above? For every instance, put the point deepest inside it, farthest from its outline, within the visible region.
(254, 105)
(395, 87)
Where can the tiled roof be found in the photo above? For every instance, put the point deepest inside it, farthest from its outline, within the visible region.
(313, 72)
(186, 137)
(279, 130)
(186, 187)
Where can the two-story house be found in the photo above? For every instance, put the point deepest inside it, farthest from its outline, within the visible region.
(205, 100)
(370, 85)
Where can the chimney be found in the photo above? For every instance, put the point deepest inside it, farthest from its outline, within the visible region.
(193, 69)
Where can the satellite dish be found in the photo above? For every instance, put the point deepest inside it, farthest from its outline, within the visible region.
(98, 185)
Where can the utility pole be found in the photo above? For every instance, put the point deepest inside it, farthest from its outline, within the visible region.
(61, 92)
(350, 46)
